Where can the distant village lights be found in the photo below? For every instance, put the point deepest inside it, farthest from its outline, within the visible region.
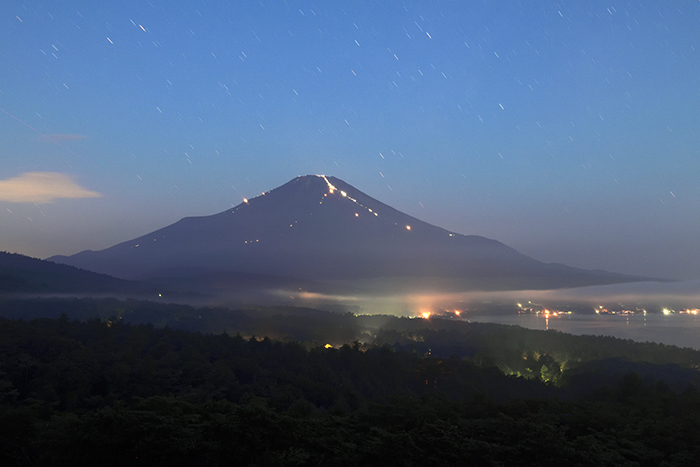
(553, 312)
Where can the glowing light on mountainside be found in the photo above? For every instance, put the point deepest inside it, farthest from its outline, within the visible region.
(332, 189)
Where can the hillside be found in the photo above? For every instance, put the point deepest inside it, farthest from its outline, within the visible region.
(24, 274)
(425, 392)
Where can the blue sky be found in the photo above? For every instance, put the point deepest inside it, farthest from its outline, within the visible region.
(567, 130)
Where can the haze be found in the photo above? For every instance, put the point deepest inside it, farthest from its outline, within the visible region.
(566, 131)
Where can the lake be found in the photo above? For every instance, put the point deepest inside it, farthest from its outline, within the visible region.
(682, 330)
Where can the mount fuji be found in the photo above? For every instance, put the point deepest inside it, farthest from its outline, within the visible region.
(319, 228)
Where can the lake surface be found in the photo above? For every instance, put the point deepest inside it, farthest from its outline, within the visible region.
(677, 329)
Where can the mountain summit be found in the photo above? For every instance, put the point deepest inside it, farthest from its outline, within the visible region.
(319, 228)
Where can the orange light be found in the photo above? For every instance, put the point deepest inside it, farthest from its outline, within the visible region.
(357, 215)
(245, 200)
(408, 227)
(425, 314)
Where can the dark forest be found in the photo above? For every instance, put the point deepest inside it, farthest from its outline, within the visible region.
(286, 386)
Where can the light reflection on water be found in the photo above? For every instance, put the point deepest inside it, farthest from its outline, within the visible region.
(681, 330)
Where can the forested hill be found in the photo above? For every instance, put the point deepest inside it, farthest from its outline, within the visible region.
(512, 349)
(110, 393)
(24, 274)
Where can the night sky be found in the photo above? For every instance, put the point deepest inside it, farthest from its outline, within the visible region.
(567, 130)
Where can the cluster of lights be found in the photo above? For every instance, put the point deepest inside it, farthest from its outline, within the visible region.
(540, 310)
(332, 189)
(687, 311)
(426, 313)
(666, 311)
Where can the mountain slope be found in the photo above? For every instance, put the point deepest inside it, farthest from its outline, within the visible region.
(320, 228)
(24, 274)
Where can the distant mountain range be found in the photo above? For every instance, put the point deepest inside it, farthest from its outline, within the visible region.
(321, 229)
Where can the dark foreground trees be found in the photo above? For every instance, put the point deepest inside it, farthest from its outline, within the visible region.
(109, 393)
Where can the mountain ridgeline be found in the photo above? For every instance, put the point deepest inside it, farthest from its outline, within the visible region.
(319, 228)
(23, 274)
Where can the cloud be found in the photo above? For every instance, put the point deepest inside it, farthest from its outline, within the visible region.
(63, 137)
(42, 187)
